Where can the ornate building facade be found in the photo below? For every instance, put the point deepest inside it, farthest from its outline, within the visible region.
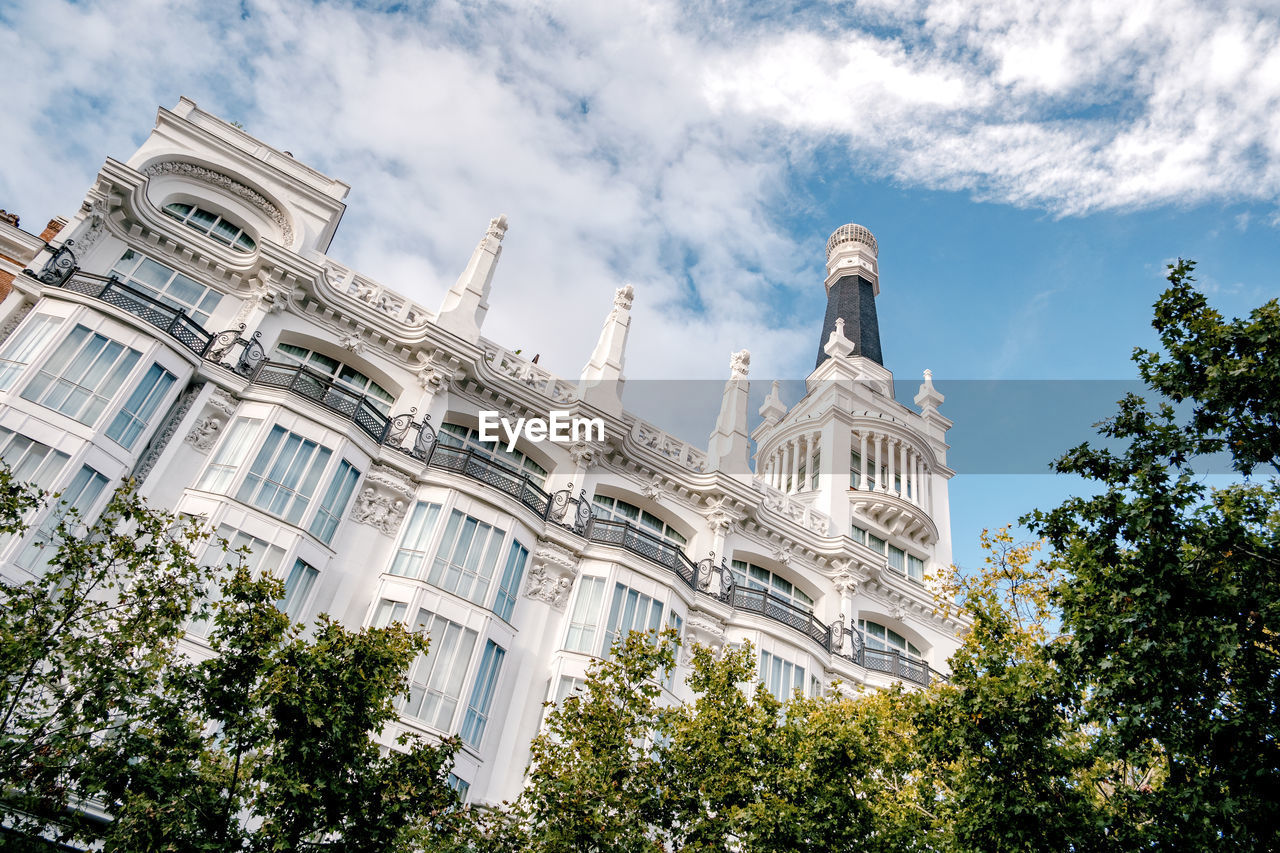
(186, 328)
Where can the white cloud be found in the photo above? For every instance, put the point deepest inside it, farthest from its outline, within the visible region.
(629, 141)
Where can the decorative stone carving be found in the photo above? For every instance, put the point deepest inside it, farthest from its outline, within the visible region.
(497, 227)
(547, 586)
(701, 629)
(551, 577)
(897, 611)
(93, 226)
(204, 434)
(783, 554)
(720, 518)
(739, 364)
(384, 500)
(352, 343)
(623, 297)
(436, 370)
(223, 400)
(582, 454)
(217, 179)
(846, 580)
(264, 295)
(15, 318)
(654, 489)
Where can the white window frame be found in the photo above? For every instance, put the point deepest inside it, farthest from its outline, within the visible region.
(418, 556)
(200, 311)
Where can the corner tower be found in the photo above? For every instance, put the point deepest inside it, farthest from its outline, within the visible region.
(853, 283)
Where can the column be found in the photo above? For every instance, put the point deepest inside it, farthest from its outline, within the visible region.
(862, 454)
(795, 465)
(815, 445)
(881, 446)
(902, 459)
(889, 486)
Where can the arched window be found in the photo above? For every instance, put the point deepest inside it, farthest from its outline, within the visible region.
(886, 639)
(343, 374)
(616, 509)
(211, 224)
(752, 576)
(456, 435)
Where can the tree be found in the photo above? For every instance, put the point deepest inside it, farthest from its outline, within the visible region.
(268, 744)
(1171, 598)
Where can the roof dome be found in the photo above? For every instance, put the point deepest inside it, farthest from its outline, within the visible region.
(852, 233)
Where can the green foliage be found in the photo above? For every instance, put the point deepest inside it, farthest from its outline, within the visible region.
(1172, 607)
(266, 744)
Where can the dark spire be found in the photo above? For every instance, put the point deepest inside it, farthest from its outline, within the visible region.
(853, 281)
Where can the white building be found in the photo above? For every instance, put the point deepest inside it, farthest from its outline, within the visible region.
(186, 328)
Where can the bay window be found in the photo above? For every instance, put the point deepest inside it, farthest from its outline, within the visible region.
(81, 375)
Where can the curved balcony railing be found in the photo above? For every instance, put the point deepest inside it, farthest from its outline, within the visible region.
(778, 609)
(631, 538)
(172, 321)
(327, 392)
(394, 432)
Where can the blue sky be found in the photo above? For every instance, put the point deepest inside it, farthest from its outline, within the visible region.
(1028, 169)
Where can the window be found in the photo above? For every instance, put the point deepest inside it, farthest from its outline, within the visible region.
(585, 620)
(263, 558)
(855, 469)
(232, 453)
(454, 435)
(81, 376)
(346, 376)
(629, 611)
(80, 495)
(284, 475)
(460, 786)
(297, 588)
(509, 586)
(132, 419)
(30, 461)
(482, 693)
(466, 557)
(780, 677)
(168, 286)
(675, 622)
(897, 559)
(334, 503)
(877, 636)
(212, 225)
(877, 544)
(859, 534)
(751, 576)
(567, 686)
(20, 349)
(915, 568)
(436, 684)
(615, 509)
(411, 558)
(388, 611)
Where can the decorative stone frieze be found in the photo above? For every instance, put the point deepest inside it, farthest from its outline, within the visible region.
(551, 577)
(223, 182)
(384, 500)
